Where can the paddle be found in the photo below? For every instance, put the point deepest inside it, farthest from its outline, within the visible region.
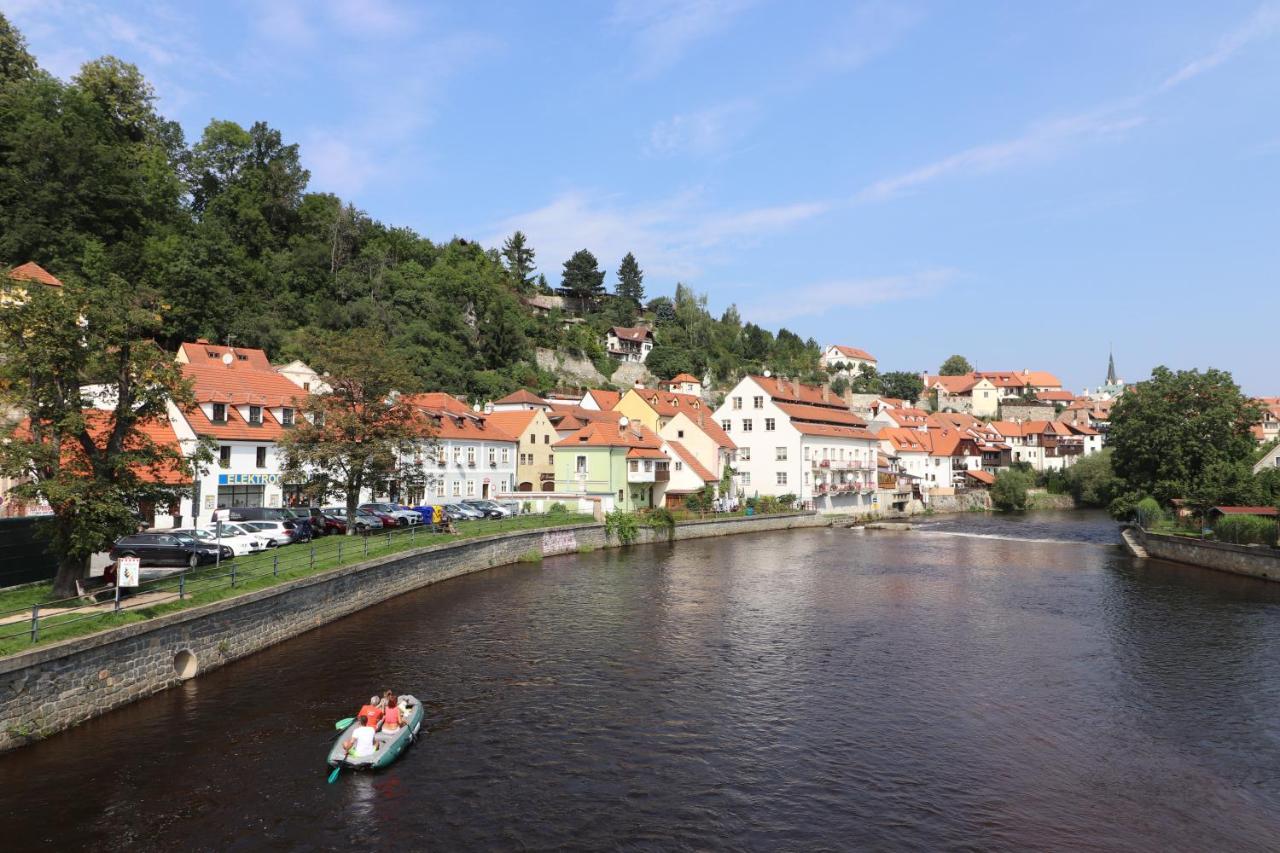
(333, 777)
(342, 724)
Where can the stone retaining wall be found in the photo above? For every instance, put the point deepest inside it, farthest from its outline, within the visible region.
(54, 687)
(1256, 561)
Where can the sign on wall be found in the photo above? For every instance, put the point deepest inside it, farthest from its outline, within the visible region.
(128, 570)
(248, 479)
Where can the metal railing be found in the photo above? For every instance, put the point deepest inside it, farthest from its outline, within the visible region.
(179, 585)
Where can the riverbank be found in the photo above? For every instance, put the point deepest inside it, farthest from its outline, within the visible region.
(1255, 561)
(52, 688)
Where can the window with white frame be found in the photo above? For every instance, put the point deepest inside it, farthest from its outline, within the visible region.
(439, 488)
(780, 454)
(219, 413)
(746, 424)
(737, 403)
(679, 466)
(768, 424)
(782, 478)
(726, 424)
(471, 454)
(506, 456)
(457, 488)
(286, 417)
(580, 465)
(744, 454)
(746, 478)
(471, 488)
(493, 455)
(255, 414)
(757, 402)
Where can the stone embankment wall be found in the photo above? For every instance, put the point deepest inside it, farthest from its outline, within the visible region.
(54, 687)
(1040, 499)
(975, 501)
(1256, 561)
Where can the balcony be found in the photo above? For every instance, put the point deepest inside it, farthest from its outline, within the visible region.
(637, 473)
(662, 474)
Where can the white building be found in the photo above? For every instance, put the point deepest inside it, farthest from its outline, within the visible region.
(849, 361)
(467, 457)
(629, 343)
(799, 439)
(683, 383)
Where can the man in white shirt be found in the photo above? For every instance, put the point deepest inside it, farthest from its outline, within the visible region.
(362, 740)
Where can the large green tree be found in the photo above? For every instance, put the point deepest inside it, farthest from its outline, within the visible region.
(15, 62)
(901, 385)
(583, 279)
(519, 259)
(630, 280)
(1183, 434)
(79, 363)
(956, 365)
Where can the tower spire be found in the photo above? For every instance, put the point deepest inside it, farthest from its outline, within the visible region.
(1111, 366)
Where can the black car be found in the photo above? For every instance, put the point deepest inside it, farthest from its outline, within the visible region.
(168, 549)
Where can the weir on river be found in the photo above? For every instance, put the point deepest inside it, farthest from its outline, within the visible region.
(998, 683)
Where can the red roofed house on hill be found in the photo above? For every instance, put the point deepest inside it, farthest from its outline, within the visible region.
(800, 439)
(849, 361)
(683, 383)
(243, 405)
(629, 343)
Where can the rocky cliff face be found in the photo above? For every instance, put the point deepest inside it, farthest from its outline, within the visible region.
(580, 371)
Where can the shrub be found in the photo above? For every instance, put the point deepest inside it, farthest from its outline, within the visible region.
(558, 508)
(1245, 530)
(1148, 513)
(767, 504)
(1009, 492)
(787, 501)
(660, 518)
(1092, 482)
(621, 524)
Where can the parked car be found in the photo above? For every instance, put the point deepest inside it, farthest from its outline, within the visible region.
(323, 524)
(402, 515)
(240, 540)
(364, 522)
(462, 512)
(254, 513)
(384, 518)
(489, 508)
(278, 532)
(302, 518)
(167, 549)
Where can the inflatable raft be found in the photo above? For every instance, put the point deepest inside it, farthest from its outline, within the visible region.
(390, 744)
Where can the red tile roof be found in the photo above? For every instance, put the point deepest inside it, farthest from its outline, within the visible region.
(453, 419)
(1055, 396)
(682, 377)
(513, 423)
(523, 396)
(667, 404)
(236, 428)
(981, 476)
(820, 414)
(646, 453)
(950, 384)
(790, 391)
(204, 353)
(601, 434)
(1248, 510)
(908, 417)
(905, 440)
(692, 461)
(631, 333)
(159, 431)
(31, 271)
(606, 400)
(831, 431)
(854, 352)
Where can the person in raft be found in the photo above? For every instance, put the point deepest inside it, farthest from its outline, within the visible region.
(372, 712)
(390, 713)
(361, 744)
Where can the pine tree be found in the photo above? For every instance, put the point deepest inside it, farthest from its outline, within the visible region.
(583, 278)
(519, 260)
(631, 280)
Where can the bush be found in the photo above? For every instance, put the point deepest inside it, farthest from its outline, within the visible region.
(1148, 513)
(1245, 530)
(787, 501)
(767, 504)
(1009, 492)
(557, 508)
(621, 524)
(660, 518)
(1092, 482)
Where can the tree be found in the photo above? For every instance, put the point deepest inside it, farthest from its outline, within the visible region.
(957, 365)
(664, 310)
(901, 385)
(631, 280)
(519, 262)
(1091, 481)
(1009, 492)
(359, 432)
(1183, 434)
(583, 278)
(15, 62)
(667, 360)
(64, 351)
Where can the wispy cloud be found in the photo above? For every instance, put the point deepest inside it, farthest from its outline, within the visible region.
(812, 300)
(703, 132)
(1264, 24)
(1041, 141)
(664, 30)
(867, 31)
(676, 237)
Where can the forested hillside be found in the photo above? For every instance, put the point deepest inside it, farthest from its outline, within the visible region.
(225, 230)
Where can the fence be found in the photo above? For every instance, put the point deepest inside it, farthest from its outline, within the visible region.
(24, 555)
(179, 585)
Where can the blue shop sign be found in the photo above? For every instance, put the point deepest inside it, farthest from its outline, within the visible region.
(248, 479)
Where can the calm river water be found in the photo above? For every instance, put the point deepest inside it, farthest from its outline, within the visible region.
(984, 684)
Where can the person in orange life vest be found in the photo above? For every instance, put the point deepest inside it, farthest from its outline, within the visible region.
(372, 712)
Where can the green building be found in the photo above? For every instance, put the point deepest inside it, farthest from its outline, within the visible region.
(622, 464)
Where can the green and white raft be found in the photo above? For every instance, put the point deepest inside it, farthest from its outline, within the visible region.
(390, 744)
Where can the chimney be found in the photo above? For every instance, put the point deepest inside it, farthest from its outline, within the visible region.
(826, 394)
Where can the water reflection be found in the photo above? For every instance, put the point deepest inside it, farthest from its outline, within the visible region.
(986, 683)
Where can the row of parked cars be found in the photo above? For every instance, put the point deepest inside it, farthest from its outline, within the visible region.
(250, 530)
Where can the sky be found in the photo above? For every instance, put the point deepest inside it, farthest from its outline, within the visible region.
(1027, 184)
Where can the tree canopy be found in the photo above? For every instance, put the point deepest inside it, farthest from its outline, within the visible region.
(630, 280)
(956, 365)
(583, 279)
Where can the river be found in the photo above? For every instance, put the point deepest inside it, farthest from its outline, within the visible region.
(992, 683)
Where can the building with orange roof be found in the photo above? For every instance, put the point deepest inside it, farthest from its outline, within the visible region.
(905, 416)
(688, 475)
(534, 435)
(622, 464)
(600, 400)
(683, 383)
(1267, 430)
(848, 361)
(242, 405)
(521, 400)
(980, 392)
(31, 271)
(800, 439)
(469, 454)
(629, 343)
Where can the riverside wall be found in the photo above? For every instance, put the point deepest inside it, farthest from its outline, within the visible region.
(1256, 561)
(55, 687)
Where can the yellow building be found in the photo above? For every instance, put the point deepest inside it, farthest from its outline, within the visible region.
(535, 460)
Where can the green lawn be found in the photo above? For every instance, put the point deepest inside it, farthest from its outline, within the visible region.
(210, 583)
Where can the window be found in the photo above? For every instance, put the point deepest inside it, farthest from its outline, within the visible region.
(471, 455)
(457, 453)
(679, 433)
(746, 478)
(635, 465)
(737, 403)
(286, 416)
(219, 413)
(224, 456)
(679, 466)
(757, 402)
(262, 457)
(471, 488)
(581, 465)
(782, 478)
(725, 424)
(306, 386)
(780, 454)
(533, 439)
(457, 488)
(546, 439)
(493, 456)
(746, 424)
(318, 419)
(255, 414)
(439, 488)
(551, 459)
(744, 453)
(768, 424)
(806, 453)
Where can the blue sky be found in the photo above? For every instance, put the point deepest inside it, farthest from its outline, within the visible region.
(1023, 183)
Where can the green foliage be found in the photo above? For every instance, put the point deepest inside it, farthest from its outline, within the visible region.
(787, 501)
(631, 280)
(1185, 434)
(621, 525)
(557, 508)
(15, 62)
(957, 365)
(582, 277)
(1148, 512)
(767, 504)
(901, 385)
(533, 555)
(668, 360)
(660, 518)
(1009, 492)
(1091, 481)
(1245, 530)
(519, 260)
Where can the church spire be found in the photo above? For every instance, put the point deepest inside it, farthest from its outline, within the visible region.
(1111, 367)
